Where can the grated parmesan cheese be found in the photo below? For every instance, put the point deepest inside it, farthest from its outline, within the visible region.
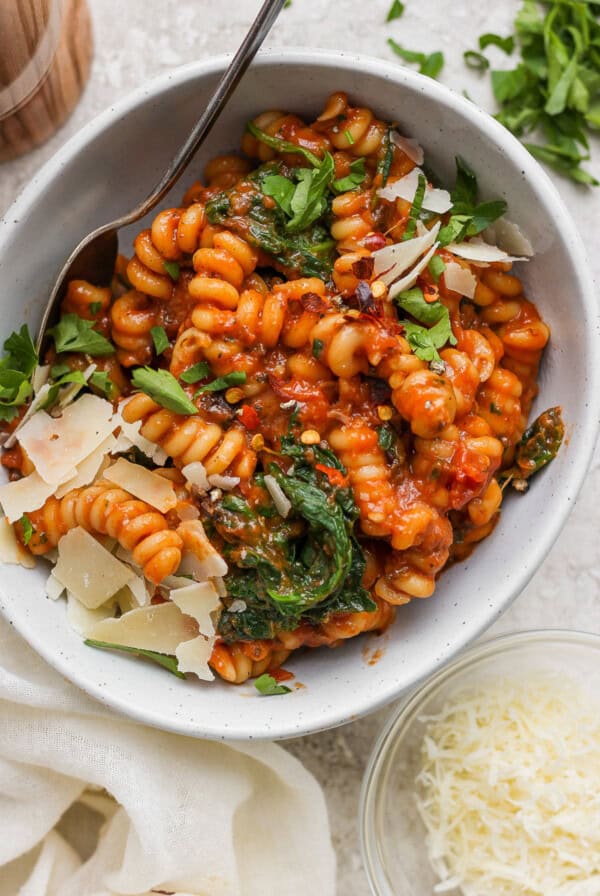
(509, 790)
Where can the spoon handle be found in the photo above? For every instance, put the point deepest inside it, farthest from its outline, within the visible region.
(247, 51)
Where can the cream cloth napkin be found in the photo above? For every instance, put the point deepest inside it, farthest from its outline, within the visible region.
(188, 816)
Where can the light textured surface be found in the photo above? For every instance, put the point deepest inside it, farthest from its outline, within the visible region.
(139, 38)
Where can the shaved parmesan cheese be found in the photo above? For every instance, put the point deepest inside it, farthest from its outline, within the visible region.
(130, 437)
(195, 473)
(409, 147)
(143, 483)
(161, 628)
(435, 200)
(53, 587)
(88, 570)
(193, 656)
(224, 482)
(139, 590)
(220, 586)
(392, 261)
(40, 377)
(23, 495)
(509, 789)
(187, 511)
(199, 600)
(11, 549)
(410, 279)
(83, 620)
(478, 250)
(37, 402)
(89, 468)
(459, 279)
(282, 503)
(176, 582)
(56, 446)
(200, 559)
(509, 237)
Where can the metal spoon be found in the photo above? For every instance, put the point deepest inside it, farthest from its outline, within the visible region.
(94, 258)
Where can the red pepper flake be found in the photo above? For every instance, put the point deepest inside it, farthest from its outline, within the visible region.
(249, 417)
(310, 301)
(336, 477)
(363, 268)
(374, 241)
(281, 674)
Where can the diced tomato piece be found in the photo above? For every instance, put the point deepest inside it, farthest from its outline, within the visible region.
(249, 417)
(336, 477)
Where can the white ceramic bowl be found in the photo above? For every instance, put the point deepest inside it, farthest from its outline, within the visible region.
(105, 169)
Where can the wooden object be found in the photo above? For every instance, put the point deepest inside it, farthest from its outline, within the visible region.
(45, 55)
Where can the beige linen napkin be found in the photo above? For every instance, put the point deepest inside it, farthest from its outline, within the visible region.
(188, 816)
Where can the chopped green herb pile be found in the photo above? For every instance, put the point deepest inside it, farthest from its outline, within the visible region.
(554, 90)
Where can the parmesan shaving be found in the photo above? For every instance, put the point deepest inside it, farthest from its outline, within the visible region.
(508, 236)
(70, 391)
(224, 482)
(130, 437)
(88, 570)
(24, 495)
(392, 261)
(509, 790)
(11, 549)
(409, 147)
(161, 628)
(193, 656)
(40, 378)
(53, 587)
(480, 251)
(410, 279)
(55, 446)
(37, 402)
(199, 600)
(143, 484)
(459, 279)
(83, 620)
(89, 468)
(438, 201)
(195, 474)
(282, 503)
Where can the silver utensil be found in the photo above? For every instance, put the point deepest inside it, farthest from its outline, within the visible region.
(94, 258)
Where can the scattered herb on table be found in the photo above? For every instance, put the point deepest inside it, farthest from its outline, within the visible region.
(429, 64)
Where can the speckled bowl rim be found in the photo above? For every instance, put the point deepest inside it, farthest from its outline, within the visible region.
(401, 718)
(283, 726)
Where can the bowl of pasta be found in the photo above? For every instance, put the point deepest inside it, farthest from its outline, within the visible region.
(321, 404)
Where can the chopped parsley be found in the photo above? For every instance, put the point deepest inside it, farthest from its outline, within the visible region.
(267, 686)
(436, 267)
(160, 339)
(27, 528)
(425, 340)
(236, 378)
(172, 269)
(16, 369)
(197, 372)
(395, 11)
(74, 334)
(317, 348)
(164, 389)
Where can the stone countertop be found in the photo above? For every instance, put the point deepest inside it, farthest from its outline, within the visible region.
(138, 39)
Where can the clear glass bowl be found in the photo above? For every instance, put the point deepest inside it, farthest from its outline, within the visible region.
(391, 831)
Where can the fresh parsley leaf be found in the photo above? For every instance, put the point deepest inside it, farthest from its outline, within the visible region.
(27, 528)
(167, 662)
(267, 686)
(494, 40)
(430, 65)
(196, 373)
(282, 146)
(464, 193)
(281, 189)
(436, 267)
(358, 172)
(101, 381)
(476, 60)
(58, 370)
(317, 348)
(172, 269)
(236, 378)
(395, 11)
(164, 389)
(415, 210)
(20, 351)
(468, 218)
(95, 307)
(160, 339)
(425, 342)
(74, 334)
(74, 376)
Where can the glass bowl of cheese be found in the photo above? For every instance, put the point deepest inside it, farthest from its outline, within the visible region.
(486, 780)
